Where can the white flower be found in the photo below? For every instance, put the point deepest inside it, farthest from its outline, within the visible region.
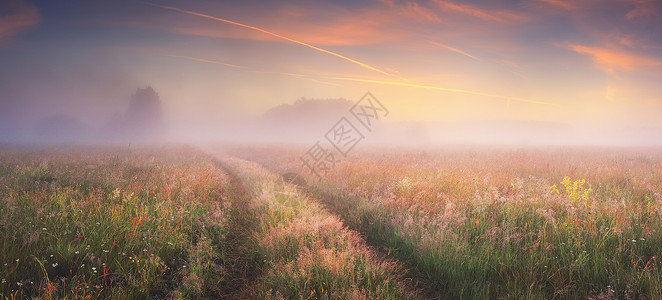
(54, 265)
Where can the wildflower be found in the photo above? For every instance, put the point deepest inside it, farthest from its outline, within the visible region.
(77, 252)
(54, 265)
(634, 241)
(643, 239)
(44, 229)
(18, 259)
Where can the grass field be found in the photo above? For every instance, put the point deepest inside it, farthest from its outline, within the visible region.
(473, 223)
(499, 222)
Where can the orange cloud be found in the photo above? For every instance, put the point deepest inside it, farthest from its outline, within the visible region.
(328, 25)
(271, 34)
(567, 5)
(612, 61)
(17, 16)
(321, 26)
(500, 16)
(415, 10)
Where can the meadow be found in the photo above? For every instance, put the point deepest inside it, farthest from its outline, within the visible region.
(481, 223)
(110, 222)
(173, 223)
(251, 222)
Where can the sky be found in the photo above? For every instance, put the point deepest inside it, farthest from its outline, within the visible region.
(593, 66)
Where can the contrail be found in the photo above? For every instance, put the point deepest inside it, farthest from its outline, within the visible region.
(458, 51)
(206, 61)
(431, 87)
(395, 83)
(269, 33)
(246, 69)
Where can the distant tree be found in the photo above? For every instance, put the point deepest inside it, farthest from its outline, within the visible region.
(144, 115)
(303, 120)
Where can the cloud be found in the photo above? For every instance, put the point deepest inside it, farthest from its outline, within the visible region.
(643, 9)
(322, 24)
(414, 10)
(613, 61)
(495, 15)
(271, 34)
(566, 5)
(16, 17)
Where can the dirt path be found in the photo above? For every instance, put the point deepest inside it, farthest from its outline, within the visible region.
(242, 266)
(247, 274)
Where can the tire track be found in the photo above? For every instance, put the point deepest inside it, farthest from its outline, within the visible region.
(375, 236)
(242, 265)
(244, 273)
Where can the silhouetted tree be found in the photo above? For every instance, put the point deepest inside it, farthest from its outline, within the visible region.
(144, 116)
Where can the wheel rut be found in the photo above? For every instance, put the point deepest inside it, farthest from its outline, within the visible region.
(242, 265)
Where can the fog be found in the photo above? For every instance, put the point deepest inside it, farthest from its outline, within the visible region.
(200, 71)
(144, 119)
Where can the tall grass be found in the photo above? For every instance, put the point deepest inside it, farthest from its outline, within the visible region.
(307, 252)
(537, 223)
(92, 222)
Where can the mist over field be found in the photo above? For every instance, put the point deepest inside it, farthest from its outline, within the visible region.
(145, 120)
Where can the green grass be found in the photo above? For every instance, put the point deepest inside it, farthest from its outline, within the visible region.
(307, 252)
(468, 224)
(502, 223)
(86, 222)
